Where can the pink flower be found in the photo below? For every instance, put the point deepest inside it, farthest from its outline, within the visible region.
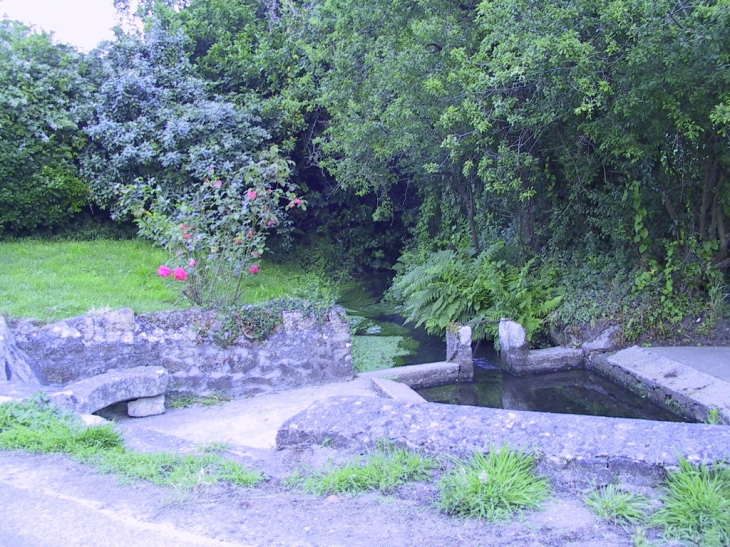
(183, 227)
(297, 201)
(212, 167)
(164, 271)
(254, 269)
(249, 233)
(268, 191)
(218, 183)
(180, 274)
(186, 236)
(252, 194)
(192, 263)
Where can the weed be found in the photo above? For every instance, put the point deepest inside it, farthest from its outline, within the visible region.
(492, 487)
(214, 447)
(36, 425)
(713, 417)
(178, 470)
(617, 506)
(383, 470)
(186, 401)
(697, 504)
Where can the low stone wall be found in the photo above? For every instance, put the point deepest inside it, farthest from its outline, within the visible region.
(302, 351)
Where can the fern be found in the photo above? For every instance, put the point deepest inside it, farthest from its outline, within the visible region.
(448, 287)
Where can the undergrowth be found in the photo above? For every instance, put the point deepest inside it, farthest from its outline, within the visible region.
(36, 425)
(493, 486)
(383, 470)
(696, 504)
(618, 506)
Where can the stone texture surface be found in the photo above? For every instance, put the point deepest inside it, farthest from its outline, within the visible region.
(458, 349)
(146, 406)
(419, 376)
(609, 340)
(551, 360)
(14, 364)
(395, 390)
(303, 351)
(579, 449)
(513, 344)
(681, 388)
(92, 394)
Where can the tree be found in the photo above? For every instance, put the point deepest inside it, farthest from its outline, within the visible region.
(40, 88)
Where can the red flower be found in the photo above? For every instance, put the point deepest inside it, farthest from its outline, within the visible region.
(249, 233)
(164, 271)
(254, 269)
(297, 201)
(180, 274)
(186, 236)
(252, 194)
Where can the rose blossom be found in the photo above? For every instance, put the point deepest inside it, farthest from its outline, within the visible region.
(254, 269)
(192, 263)
(164, 271)
(180, 274)
(252, 194)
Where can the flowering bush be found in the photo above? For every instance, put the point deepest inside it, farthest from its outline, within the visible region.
(215, 232)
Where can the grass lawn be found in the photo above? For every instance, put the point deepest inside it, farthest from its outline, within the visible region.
(51, 280)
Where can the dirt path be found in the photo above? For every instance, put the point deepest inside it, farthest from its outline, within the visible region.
(52, 501)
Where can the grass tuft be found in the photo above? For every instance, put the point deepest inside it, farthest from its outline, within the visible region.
(617, 506)
(697, 504)
(36, 425)
(492, 487)
(383, 470)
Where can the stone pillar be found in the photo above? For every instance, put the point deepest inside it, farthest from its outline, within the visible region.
(514, 349)
(458, 348)
(13, 365)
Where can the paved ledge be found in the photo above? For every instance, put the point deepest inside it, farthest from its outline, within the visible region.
(574, 449)
(395, 390)
(419, 376)
(658, 374)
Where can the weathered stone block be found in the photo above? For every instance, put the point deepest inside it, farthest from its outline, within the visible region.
(458, 349)
(513, 344)
(608, 340)
(92, 394)
(146, 406)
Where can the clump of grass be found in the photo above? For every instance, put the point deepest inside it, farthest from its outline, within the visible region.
(492, 487)
(186, 401)
(213, 447)
(175, 470)
(383, 470)
(36, 425)
(618, 506)
(697, 504)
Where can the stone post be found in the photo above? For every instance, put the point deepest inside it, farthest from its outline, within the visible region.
(514, 348)
(458, 348)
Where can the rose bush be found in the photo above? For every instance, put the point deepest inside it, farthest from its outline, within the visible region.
(216, 231)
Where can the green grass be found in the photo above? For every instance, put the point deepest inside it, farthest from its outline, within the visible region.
(696, 504)
(186, 401)
(383, 470)
(58, 279)
(51, 280)
(617, 506)
(492, 487)
(36, 425)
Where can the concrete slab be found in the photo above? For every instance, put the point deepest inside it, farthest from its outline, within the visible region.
(580, 449)
(714, 361)
(251, 422)
(685, 389)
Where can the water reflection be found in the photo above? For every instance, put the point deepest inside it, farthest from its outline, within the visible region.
(569, 392)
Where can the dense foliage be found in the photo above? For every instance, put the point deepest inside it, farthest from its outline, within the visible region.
(40, 86)
(508, 152)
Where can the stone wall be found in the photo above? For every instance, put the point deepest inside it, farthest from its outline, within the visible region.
(302, 351)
